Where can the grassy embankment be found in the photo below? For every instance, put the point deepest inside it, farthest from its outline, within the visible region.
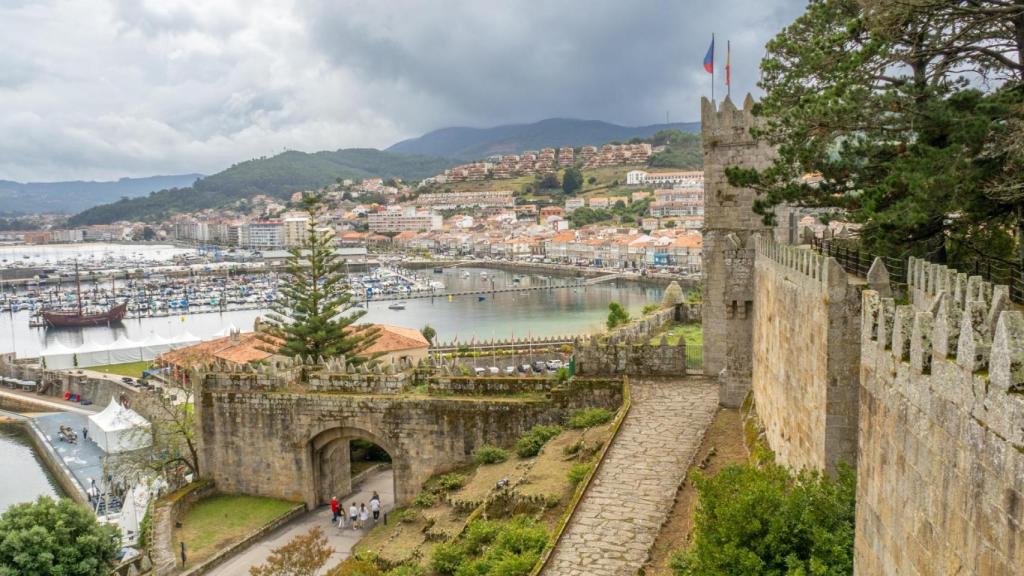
(221, 520)
(443, 526)
(133, 369)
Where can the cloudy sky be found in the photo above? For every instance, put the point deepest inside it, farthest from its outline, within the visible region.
(99, 89)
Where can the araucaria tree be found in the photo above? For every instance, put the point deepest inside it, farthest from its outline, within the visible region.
(910, 110)
(314, 314)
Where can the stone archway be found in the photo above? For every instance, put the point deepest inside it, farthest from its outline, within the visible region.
(330, 462)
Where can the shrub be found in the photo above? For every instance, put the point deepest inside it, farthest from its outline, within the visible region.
(447, 558)
(404, 515)
(489, 455)
(578, 472)
(562, 375)
(590, 417)
(763, 520)
(650, 309)
(425, 499)
(479, 534)
(530, 444)
(451, 481)
(407, 570)
(353, 566)
(574, 448)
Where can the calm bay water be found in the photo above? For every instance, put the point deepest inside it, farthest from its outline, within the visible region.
(541, 313)
(23, 476)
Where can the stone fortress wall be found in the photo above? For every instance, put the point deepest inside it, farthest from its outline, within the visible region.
(806, 355)
(936, 429)
(940, 477)
(277, 432)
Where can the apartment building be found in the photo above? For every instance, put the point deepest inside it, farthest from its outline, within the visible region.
(403, 218)
(690, 179)
(296, 227)
(262, 235)
(468, 199)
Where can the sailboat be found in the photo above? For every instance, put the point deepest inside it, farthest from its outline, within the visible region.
(77, 318)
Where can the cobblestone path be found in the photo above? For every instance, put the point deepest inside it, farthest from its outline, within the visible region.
(619, 517)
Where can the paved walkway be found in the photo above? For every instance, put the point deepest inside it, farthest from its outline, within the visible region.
(49, 403)
(342, 540)
(620, 516)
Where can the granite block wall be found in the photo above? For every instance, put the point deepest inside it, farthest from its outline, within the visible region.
(940, 477)
(806, 356)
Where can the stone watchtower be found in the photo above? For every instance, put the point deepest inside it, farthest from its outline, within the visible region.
(729, 224)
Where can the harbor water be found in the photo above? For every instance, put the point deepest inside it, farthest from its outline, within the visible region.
(23, 476)
(554, 312)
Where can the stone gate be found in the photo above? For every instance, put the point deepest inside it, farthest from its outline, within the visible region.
(285, 433)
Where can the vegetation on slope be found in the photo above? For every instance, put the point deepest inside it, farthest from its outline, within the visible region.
(278, 176)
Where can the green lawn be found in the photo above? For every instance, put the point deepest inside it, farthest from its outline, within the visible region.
(223, 519)
(692, 333)
(133, 369)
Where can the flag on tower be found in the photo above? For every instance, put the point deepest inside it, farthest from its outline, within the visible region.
(728, 77)
(709, 58)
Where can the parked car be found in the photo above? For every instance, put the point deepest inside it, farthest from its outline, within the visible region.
(479, 371)
(554, 364)
(524, 368)
(494, 370)
(510, 370)
(539, 366)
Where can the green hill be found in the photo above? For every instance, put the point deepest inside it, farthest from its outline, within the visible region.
(478, 143)
(278, 176)
(71, 197)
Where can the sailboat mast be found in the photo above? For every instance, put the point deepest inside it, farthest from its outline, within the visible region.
(78, 289)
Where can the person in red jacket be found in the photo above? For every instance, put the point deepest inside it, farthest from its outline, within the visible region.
(335, 510)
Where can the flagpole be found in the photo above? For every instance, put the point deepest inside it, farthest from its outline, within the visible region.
(712, 67)
(728, 71)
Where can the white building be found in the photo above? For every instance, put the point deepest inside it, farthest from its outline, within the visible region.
(574, 203)
(295, 230)
(693, 178)
(404, 218)
(265, 235)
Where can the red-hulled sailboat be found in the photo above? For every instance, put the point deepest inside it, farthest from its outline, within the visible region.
(77, 318)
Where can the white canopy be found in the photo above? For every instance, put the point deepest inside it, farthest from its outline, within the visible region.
(119, 429)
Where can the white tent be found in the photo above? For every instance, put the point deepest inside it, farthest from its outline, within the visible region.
(118, 429)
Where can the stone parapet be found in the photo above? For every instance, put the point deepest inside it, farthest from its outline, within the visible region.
(940, 486)
(613, 356)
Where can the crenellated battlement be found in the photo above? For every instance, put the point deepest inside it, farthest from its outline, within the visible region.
(942, 382)
(819, 269)
(726, 123)
(963, 321)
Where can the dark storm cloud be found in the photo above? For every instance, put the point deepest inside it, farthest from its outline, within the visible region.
(110, 88)
(491, 62)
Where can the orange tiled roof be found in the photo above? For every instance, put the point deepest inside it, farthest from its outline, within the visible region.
(397, 338)
(247, 348)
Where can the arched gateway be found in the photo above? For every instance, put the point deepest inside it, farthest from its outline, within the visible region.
(331, 461)
(284, 433)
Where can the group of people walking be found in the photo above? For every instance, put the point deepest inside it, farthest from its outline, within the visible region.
(358, 516)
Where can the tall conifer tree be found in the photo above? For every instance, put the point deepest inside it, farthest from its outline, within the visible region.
(314, 314)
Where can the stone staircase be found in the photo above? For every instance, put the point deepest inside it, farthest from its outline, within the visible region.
(619, 517)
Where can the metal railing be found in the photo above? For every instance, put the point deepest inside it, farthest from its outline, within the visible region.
(858, 262)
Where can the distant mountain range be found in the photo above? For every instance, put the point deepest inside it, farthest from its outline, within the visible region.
(478, 143)
(71, 197)
(278, 176)
(281, 175)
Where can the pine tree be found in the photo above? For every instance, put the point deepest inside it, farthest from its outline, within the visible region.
(314, 314)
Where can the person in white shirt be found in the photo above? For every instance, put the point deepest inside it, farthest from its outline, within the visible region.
(375, 508)
(353, 515)
(364, 514)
